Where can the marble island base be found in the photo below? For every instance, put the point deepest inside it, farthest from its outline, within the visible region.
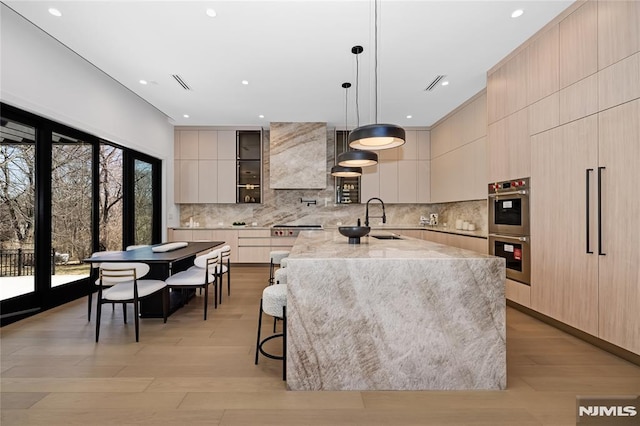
(393, 315)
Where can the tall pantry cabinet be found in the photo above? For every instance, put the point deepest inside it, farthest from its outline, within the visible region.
(583, 109)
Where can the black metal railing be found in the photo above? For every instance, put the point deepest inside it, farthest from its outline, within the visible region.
(18, 262)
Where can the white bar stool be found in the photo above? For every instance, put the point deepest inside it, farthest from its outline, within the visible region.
(274, 303)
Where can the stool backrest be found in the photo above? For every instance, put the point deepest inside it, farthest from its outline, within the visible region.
(225, 253)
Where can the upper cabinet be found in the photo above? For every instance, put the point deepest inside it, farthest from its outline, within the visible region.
(578, 34)
(206, 169)
(458, 146)
(618, 31)
(402, 174)
(298, 156)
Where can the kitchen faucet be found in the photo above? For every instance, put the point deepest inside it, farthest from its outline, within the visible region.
(366, 217)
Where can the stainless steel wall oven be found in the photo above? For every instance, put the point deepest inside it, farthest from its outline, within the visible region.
(509, 226)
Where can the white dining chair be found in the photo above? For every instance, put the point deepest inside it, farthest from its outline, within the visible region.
(200, 275)
(121, 283)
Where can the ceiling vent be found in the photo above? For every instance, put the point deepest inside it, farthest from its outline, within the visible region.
(181, 82)
(434, 83)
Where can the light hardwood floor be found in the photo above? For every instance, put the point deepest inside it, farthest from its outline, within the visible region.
(189, 371)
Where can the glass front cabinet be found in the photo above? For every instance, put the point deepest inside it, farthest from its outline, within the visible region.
(249, 166)
(347, 188)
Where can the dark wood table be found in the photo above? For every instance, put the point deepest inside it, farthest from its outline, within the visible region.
(162, 264)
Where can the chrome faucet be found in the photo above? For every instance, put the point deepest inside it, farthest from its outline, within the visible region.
(366, 217)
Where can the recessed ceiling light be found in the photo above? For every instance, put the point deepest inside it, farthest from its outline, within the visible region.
(186, 115)
(517, 12)
(212, 13)
(445, 83)
(245, 82)
(143, 81)
(261, 116)
(55, 12)
(409, 116)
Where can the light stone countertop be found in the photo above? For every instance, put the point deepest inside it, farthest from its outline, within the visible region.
(331, 244)
(448, 230)
(403, 314)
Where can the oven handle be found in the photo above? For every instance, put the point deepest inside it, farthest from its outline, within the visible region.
(506, 237)
(521, 192)
(600, 252)
(589, 251)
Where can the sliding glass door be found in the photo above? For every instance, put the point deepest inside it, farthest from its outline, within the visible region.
(65, 194)
(17, 210)
(71, 208)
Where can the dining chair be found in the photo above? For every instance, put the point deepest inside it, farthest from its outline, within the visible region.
(94, 278)
(121, 283)
(200, 275)
(221, 269)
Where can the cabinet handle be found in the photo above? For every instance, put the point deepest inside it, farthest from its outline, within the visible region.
(600, 252)
(589, 251)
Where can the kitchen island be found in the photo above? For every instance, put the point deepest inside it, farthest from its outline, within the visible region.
(400, 314)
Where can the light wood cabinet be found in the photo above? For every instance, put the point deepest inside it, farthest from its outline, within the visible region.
(619, 82)
(254, 245)
(543, 65)
(516, 83)
(496, 95)
(226, 181)
(578, 34)
(509, 148)
(618, 30)
(456, 240)
(618, 272)
(579, 99)
(402, 174)
(388, 172)
(226, 144)
(205, 166)
(186, 181)
(518, 292)
(544, 114)
(564, 282)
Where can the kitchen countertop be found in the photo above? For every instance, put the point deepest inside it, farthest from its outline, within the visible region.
(448, 230)
(401, 314)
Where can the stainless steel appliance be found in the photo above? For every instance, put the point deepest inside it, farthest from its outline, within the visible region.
(509, 207)
(292, 230)
(509, 226)
(516, 251)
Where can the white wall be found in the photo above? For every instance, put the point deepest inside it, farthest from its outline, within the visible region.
(40, 75)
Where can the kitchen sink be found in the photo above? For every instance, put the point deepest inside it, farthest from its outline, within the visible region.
(387, 237)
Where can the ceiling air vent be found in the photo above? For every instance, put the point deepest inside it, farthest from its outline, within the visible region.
(434, 83)
(181, 82)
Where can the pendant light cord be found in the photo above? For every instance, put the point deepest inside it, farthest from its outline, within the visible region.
(346, 122)
(357, 87)
(375, 58)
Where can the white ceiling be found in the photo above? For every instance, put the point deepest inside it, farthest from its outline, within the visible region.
(294, 54)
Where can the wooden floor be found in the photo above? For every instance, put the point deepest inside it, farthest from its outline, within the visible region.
(189, 371)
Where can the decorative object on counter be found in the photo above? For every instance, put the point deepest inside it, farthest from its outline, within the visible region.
(354, 232)
(459, 223)
(239, 224)
(376, 136)
(472, 227)
(342, 171)
(309, 202)
(433, 219)
(465, 226)
(424, 221)
(357, 158)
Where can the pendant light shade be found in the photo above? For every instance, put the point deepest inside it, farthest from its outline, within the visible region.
(357, 158)
(377, 136)
(341, 171)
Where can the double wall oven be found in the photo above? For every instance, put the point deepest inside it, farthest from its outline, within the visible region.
(509, 226)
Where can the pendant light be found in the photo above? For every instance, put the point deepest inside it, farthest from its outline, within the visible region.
(357, 157)
(376, 136)
(346, 171)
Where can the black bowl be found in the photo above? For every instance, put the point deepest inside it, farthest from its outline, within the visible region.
(354, 232)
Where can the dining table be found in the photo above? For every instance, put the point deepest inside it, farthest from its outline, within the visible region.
(162, 265)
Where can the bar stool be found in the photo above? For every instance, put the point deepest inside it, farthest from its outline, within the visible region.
(276, 257)
(274, 303)
(283, 262)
